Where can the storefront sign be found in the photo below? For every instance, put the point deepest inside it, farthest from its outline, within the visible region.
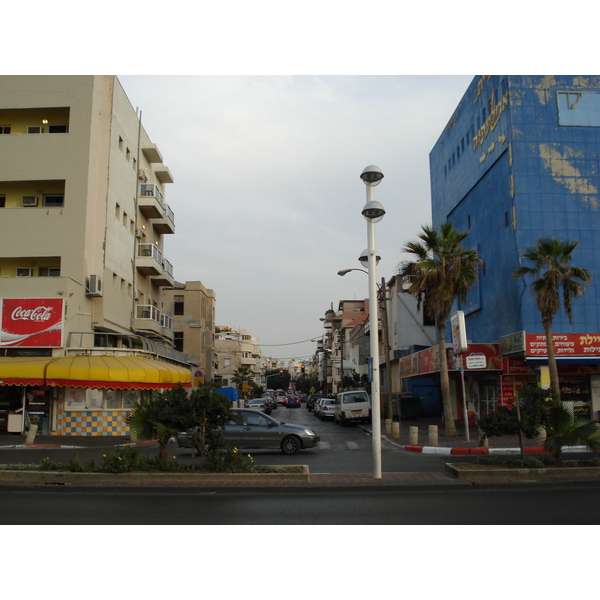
(31, 322)
(564, 344)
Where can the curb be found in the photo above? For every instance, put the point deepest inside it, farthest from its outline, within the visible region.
(480, 451)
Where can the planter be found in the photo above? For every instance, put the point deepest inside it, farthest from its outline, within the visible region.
(140, 478)
(472, 472)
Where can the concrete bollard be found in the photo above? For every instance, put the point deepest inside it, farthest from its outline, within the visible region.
(433, 435)
(396, 430)
(413, 433)
(388, 426)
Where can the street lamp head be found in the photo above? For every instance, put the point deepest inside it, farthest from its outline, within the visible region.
(364, 259)
(343, 272)
(373, 211)
(371, 175)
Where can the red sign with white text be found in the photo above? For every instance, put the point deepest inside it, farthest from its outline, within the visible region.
(31, 322)
(565, 344)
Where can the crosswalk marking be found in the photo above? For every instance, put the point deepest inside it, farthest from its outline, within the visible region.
(352, 445)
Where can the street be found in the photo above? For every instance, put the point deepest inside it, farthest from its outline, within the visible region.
(531, 506)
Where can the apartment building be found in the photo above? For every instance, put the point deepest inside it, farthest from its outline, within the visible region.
(235, 349)
(83, 217)
(193, 308)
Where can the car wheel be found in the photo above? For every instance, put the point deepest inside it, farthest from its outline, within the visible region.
(290, 445)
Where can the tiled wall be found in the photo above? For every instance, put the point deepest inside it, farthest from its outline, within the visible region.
(91, 422)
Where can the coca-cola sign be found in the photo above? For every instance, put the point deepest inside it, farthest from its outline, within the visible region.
(31, 322)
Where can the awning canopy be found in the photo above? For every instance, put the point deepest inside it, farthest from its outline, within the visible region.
(23, 370)
(110, 372)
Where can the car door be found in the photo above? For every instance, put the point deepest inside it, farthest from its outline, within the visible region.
(260, 431)
(233, 434)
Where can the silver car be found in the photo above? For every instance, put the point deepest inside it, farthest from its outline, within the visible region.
(326, 408)
(259, 431)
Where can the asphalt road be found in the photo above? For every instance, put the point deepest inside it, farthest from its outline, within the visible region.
(530, 506)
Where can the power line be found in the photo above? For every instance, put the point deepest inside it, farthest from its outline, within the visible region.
(292, 343)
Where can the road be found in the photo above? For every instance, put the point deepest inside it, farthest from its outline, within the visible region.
(531, 506)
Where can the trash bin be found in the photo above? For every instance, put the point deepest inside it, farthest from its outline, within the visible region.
(410, 408)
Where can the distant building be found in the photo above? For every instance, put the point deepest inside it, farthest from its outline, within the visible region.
(193, 308)
(236, 348)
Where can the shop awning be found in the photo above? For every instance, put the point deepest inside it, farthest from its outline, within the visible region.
(115, 372)
(23, 370)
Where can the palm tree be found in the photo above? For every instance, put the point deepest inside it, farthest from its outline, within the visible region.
(562, 429)
(443, 271)
(242, 375)
(552, 268)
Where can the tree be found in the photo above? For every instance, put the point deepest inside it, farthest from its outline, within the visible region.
(151, 418)
(443, 271)
(551, 260)
(562, 429)
(240, 376)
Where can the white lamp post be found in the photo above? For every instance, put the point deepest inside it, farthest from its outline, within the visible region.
(373, 213)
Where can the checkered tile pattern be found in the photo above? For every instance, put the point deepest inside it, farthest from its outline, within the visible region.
(91, 422)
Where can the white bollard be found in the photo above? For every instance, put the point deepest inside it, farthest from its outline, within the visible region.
(396, 430)
(433, 435)
(388, 426)
(413, 433)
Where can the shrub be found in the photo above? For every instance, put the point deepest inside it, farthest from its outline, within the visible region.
(528, 463)
(487, 460)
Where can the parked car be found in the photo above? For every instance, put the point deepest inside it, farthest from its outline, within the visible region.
(352, 407)
(254, 430)
(310, 401)
(292, 402)
(270, 400)
(317, 406)
(259, 404)
(326, 409)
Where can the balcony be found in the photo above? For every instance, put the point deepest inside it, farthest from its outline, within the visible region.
(166, 277)
(149, 260)
(166, 224)
(151, 202)
(147, 319)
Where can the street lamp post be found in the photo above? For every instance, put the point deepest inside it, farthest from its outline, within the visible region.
(373, 213)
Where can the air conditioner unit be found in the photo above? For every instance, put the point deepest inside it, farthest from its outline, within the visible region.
(143, 174)
(30, 200)
(95, 287)
(140, 233)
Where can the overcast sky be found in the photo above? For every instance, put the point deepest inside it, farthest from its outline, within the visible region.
(267, 193)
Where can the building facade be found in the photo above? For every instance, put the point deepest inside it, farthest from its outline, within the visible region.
(235, 349)
(82, 222)
(518, 161)
(193, 308)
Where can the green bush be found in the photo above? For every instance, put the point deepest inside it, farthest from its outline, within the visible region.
(487, 460)
(528, 463)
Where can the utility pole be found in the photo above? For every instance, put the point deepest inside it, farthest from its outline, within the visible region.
(386, 347)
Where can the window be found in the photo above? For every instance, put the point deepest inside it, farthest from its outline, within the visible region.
(58, 129)
(4, 129)
(49, 271)
(178, 341)
(36, 129)
(581, 108)
(23, 272)
(120, 399)
(178, 307)
(2, 201)
(54, 200)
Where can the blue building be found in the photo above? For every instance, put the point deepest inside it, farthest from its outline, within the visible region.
(519, 160)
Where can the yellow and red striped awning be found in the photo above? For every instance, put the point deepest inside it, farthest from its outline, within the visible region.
(111, 372)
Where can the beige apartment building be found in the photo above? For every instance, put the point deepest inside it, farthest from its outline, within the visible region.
(193, 308)
(236, 348)
(83, 216)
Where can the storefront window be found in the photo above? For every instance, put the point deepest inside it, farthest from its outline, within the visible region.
(121, 399)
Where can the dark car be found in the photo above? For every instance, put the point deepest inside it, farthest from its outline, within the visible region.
(255, 430)
(292, 402)
(310, 401)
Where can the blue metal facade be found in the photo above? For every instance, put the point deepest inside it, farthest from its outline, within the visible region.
(519, 160)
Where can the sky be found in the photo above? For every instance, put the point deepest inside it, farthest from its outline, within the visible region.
(267, 192)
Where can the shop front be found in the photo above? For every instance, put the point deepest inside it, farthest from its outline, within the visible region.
(474, 375)
(525, 359)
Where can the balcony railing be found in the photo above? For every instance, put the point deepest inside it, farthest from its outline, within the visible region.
(149, 189)
(150, 251)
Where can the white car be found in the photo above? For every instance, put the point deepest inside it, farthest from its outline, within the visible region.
(326, 409)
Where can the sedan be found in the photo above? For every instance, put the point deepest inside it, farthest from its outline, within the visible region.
(326, 408)
(259, 404)
(256, 430)
(292, 402)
